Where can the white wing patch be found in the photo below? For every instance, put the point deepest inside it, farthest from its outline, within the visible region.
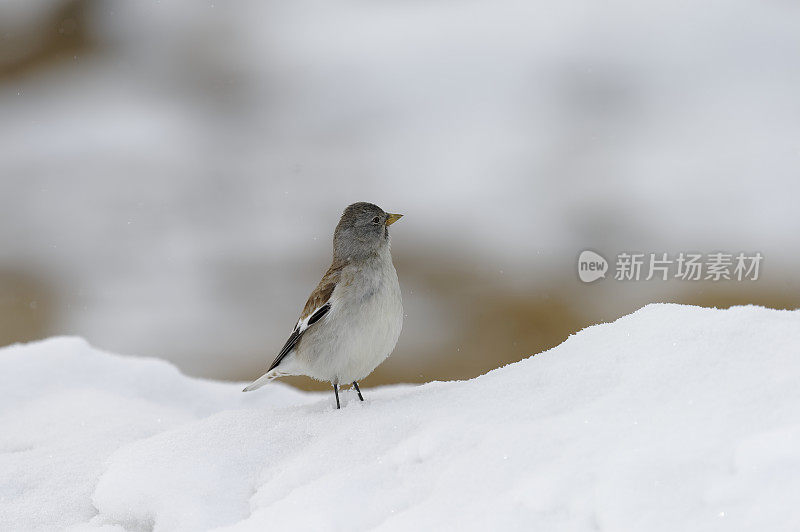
(312, 318)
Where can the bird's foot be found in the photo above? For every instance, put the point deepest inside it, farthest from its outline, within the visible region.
(355, 385)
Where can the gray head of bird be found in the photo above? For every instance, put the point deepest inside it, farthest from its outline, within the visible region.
(362, 231)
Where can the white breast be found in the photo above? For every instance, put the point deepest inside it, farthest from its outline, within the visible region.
(360, 330)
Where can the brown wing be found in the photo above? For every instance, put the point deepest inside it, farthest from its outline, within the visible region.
(316, 307)
(322, 293)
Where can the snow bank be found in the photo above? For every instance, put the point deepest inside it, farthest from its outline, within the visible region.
(672, 418)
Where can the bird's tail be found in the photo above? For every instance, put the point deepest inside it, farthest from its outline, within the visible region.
(262, 380)
(287, 367)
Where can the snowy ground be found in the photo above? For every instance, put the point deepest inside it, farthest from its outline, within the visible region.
(672, 418)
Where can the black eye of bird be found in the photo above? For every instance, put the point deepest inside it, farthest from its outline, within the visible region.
(376, 220)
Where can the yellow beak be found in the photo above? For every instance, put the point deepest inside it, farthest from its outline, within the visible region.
(393, 218)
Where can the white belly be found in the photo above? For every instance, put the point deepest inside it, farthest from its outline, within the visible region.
(359, 331)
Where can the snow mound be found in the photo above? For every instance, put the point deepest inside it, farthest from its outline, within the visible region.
(671, 418)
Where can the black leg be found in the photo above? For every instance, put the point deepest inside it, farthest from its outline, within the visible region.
(355, 385)
(336, 391)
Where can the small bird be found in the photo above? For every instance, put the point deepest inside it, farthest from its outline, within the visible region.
(352, 320)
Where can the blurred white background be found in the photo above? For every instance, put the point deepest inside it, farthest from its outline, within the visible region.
(171, 172)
